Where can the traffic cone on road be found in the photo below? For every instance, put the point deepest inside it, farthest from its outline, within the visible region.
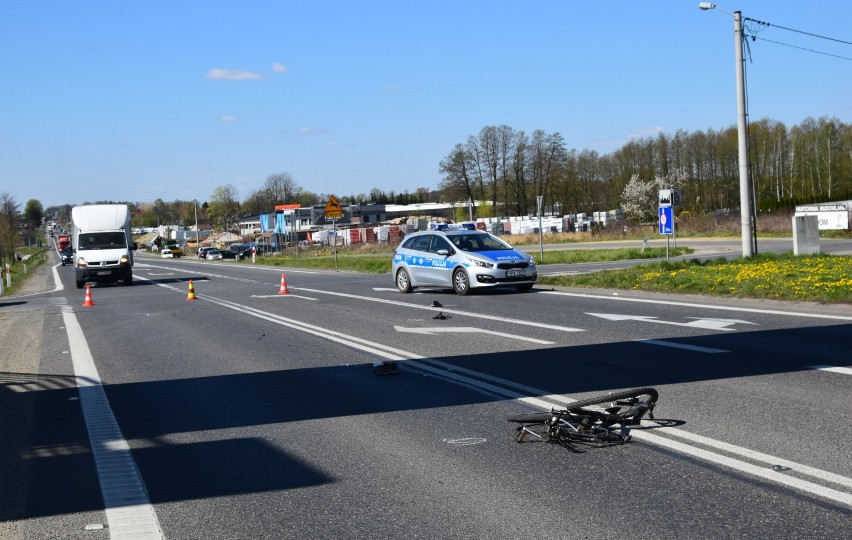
(283, 289)
(191, 294)
(88, 300)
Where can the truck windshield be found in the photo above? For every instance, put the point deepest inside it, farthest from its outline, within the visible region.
(101, 240)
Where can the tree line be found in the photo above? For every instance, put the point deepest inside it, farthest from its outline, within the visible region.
(507, 168)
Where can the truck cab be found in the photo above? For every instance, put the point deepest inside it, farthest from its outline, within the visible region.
(103, 247)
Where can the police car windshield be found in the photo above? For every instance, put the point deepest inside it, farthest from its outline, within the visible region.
(477, 242)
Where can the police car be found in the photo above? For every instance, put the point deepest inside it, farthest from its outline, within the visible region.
(460, 257)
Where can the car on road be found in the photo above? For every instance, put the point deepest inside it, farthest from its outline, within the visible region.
(228, 254)
(67, 255)
(202, 251)
(462, 259)
(167, 253)
(213, 254)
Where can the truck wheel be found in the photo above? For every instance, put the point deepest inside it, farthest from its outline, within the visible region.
(80, 284)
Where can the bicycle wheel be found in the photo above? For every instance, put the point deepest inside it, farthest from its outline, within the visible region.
(531, 418)
(650, 393)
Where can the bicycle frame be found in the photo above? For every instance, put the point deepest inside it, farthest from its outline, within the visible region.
(577, 424)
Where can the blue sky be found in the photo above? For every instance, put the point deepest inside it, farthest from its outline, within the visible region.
(114, 100)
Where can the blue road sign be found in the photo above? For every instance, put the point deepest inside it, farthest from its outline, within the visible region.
(666, 220)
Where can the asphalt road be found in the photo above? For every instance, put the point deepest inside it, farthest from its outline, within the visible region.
(246, 413)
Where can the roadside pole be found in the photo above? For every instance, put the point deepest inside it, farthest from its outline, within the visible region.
(666, 224)
(333, 211)
(334, 242)
(540, 232)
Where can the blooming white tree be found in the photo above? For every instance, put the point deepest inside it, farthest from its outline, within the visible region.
(640, 197)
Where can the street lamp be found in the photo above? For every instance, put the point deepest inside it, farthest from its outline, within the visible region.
(742, 132)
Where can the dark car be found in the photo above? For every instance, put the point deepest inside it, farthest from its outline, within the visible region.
(228, 254)
(67, 256)
(245, 254)
(202, 251)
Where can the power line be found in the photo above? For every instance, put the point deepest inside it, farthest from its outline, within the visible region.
(754, 38)
(759, 26)
(798, 31)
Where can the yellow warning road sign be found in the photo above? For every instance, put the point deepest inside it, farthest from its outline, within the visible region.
(333, 209)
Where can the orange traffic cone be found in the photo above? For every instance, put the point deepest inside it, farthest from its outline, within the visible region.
(88, 300)
(191, 294)
(283, 289)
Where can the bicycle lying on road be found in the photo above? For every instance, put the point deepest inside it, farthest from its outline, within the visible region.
(605, 425)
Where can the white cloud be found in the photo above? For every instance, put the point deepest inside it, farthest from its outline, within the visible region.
(279, 68)
(304, 130)
(227, 118)
(644, 132)
(391, 88)
(232, 75)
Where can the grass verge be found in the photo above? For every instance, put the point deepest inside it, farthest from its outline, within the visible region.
(818, 278)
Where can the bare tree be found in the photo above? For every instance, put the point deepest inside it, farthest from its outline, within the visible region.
(281, 188)
(224, 207)
(457, 183)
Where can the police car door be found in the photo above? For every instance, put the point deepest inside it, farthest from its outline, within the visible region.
(441, 268)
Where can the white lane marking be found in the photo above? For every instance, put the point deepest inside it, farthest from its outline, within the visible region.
(467, 329)
(713, 457)
(832, 369)
(511, 389)
(281, 295)
(59, 285)
(486, 316)
(754, 470)
(393, 289)
(755, 455)
(684, 346)
(703, 306)
(704, 324)
(128, 510)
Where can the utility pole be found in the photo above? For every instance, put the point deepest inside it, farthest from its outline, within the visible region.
(742, 136)
(749, 233)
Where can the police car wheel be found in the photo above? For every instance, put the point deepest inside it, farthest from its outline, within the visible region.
(460, 282)
(403, 281)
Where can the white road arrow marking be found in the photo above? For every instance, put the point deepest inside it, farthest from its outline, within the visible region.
(161, 274)
(706, 324)
(468, 329)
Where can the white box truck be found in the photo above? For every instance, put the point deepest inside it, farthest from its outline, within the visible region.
(103, 246)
